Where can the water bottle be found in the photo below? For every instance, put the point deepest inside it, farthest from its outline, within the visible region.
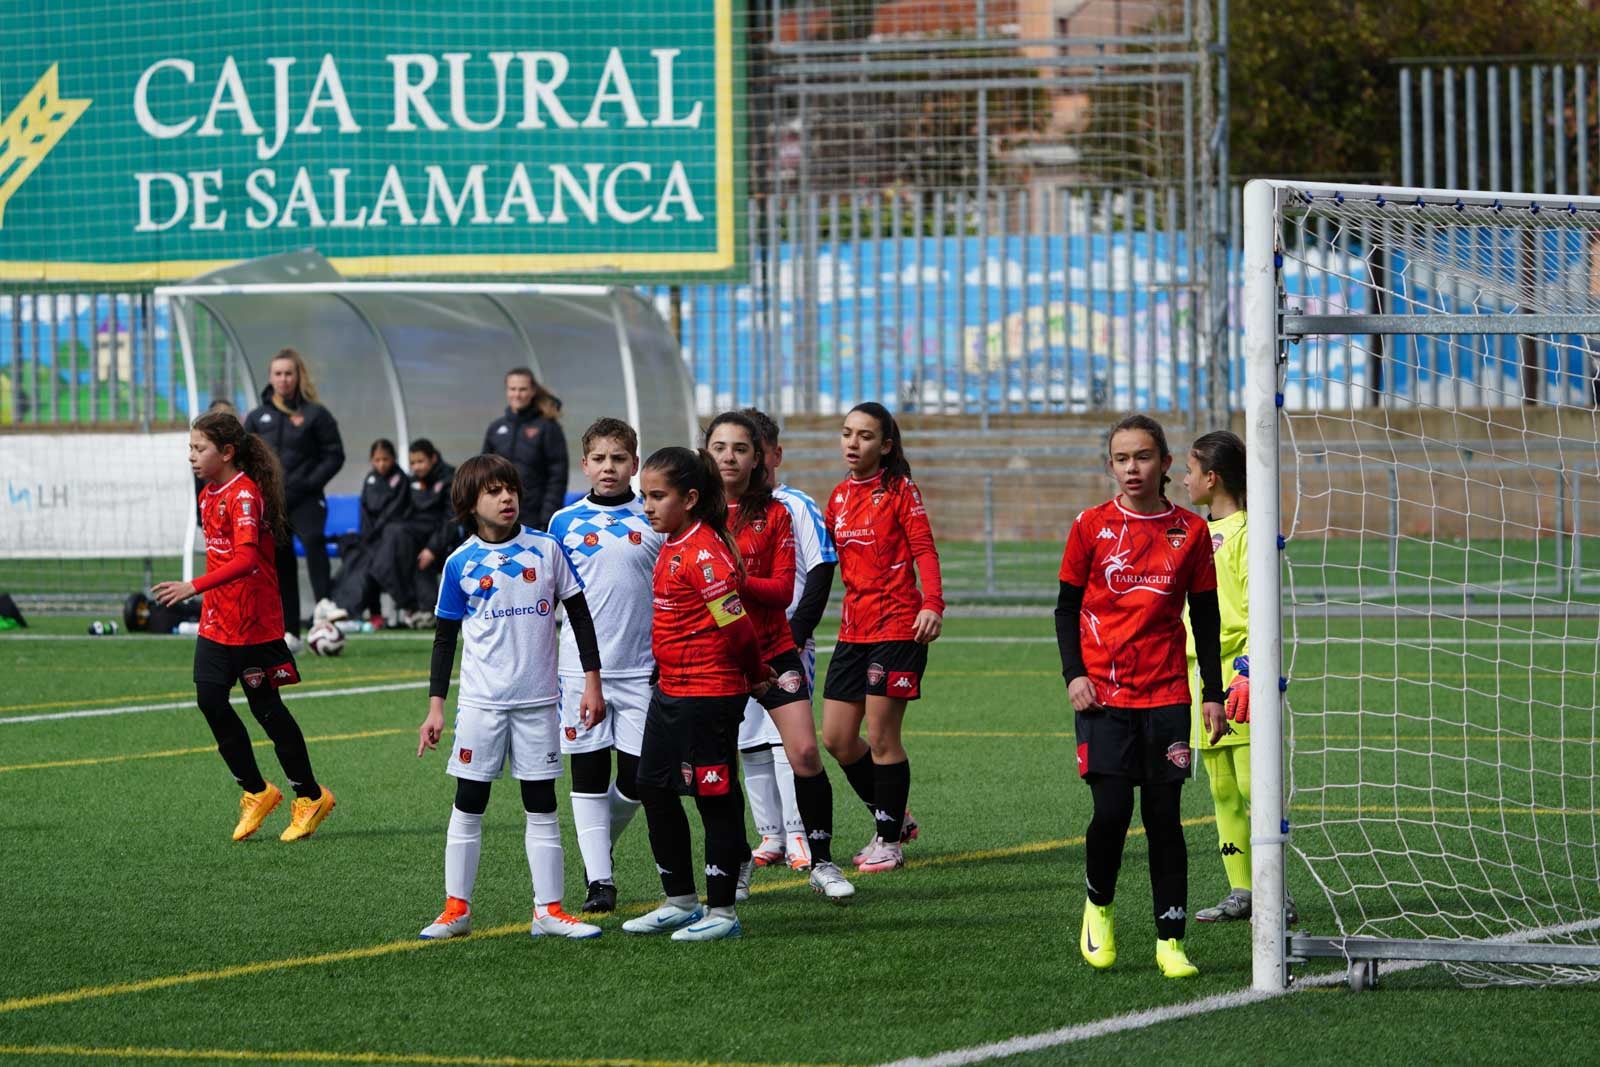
(101, 628)
(187, 629)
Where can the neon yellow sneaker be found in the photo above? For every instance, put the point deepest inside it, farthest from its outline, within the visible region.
(306, 815)
(254, 808)
(1173, 961)
(1098, 940)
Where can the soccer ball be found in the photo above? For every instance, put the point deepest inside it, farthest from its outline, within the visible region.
(326, 639)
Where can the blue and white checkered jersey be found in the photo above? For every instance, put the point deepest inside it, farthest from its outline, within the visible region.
(812, 542)
(614, 551)
(506, 597)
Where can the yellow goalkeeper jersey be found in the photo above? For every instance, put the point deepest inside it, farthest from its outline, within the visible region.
(1233, 600)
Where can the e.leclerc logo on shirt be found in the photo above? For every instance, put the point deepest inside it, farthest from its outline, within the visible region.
(541, 609)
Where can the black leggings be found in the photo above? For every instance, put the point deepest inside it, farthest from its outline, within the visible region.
(472, 797)
(233, 741)
(309, 519)
(1160, 807)
(726, 847)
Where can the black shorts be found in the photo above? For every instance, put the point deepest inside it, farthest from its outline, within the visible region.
(875, 668)
(791, 684)
(269, 663)
(691, 744)
(1140, 744)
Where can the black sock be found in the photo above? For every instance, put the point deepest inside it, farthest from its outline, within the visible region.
(233, 742)
(862, 779)
(1108, 833)
(1160, 806)
(669, 839)
(726, 847)
(814, 797)
(287, 740)
(894, 789)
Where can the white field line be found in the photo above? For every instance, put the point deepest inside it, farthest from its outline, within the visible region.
(1140, 1020)
(134, 709)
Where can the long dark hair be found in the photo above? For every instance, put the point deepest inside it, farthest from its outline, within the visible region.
(1220, 452)
(1145, 423)
(896, 467)
(689, 468)
(758, 494)
(252, 456)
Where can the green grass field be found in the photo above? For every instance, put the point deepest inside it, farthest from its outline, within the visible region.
(141, 933)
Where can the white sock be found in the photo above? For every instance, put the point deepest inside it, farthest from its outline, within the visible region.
(591, 814)
(622, 812)
(543, 840)
(687, 902)
(766, 806)
(792, 823)
(462, 843)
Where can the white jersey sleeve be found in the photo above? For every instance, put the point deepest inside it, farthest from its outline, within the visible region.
(812, 542)
(612, 552)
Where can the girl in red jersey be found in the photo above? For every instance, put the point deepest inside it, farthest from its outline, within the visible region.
(1126, 570)
(880, 530)
(765, 535)
(241, 624)
(709, 659)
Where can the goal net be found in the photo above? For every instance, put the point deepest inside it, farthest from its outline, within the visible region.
(1421, 392)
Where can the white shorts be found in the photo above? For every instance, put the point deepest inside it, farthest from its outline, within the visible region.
(758, 727)
(485, 740)
(627, 699)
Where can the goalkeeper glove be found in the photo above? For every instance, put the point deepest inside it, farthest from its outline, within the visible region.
(1237, 707)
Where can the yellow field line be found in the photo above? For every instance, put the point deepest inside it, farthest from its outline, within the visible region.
(322, 1056)
(164, 753)
(388, 948)
(392, 676)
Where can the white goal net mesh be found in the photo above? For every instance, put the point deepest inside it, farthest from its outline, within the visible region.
(1439, 487)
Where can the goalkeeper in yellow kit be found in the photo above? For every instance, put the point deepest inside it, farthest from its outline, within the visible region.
(1215, 479)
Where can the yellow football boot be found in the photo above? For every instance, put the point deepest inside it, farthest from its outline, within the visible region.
(254, 808)
(1173, 961)
(306, 815)
(1098, 940)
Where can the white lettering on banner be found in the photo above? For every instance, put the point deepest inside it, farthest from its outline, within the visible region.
(60, 496)
(428, 93)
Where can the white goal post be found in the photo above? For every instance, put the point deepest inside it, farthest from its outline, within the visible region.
(1425, 784)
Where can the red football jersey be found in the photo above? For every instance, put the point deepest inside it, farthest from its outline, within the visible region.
(702, 641)
(243, 610)
(767, 547)
(1136, 571)
(879, 533)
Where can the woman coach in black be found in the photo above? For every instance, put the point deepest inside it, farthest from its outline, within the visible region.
(530, 437)
(306, 438)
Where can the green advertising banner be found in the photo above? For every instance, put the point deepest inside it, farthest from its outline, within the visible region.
(154, 141)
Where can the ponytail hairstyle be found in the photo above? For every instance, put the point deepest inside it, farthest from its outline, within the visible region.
(252, 456)
(688, 468)
(304, 384)
(1220, 452)
(1147, 425)
(758, 494)
(896, 468)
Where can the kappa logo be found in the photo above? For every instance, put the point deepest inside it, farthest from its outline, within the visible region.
(1175, 913)
(465, 755)
(713, 871)
(712, 781)
(1178, 756)
(529, 574)
(820, 835)
(282, 674)
(1230, 849)
(903, 684)
(838, 498)
(710, 777)
(502, 428)
(1105, 535)
(703, 556)
(662, 870)
(591, 539)
(636, 537)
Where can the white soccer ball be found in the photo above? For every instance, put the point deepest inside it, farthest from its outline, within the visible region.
(326, 639)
